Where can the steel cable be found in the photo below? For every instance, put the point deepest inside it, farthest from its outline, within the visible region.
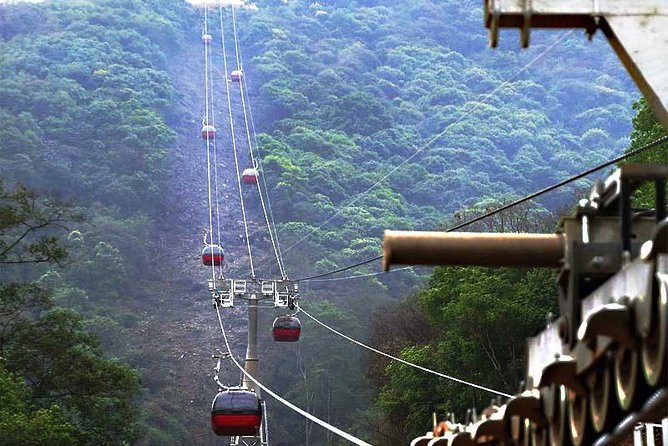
(476, 106)
(403, 361)
(280, 399)
(524, 199)
(208, 142)
(242, 81)
(234, 143)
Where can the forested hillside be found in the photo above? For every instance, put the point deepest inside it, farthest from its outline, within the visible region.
(85, 101)
(355, 89)
(370, 115)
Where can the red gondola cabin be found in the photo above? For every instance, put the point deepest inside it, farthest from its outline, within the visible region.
(206, 39)
(208, 131)
(236, 413)
(286, 329)
(236, 75)
(249, 176)
(213, 255)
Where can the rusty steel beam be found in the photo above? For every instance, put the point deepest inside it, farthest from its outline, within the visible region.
(637, 31)
(472, 249)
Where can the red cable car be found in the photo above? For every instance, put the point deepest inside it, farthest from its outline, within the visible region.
(208, 131)
(213, 255)
(249, 176)
(286, 329)
(236, 413)
(206, 39)
(236, 75)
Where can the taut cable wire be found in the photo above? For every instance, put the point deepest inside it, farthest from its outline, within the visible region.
(476, 106)
(214, 143)
(283, 401)
(234, 142)
(403, 361)
(208, 142)
(242, 82)
(524, 199)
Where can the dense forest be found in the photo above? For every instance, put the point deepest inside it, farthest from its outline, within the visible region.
(371, 114)
(84, 102)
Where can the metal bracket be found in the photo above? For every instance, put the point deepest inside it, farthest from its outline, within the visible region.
(525, 31)
(282, 300)
(238, 287)
(527, 405)
(563, 372)
(268, 288)
(612, 320)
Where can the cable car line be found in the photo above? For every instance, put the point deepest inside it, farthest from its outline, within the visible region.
(207, 134)
(238, 411)
(357, 276)
(524, 199)
(280, 399)
(242, 82)
(285, 328)
(403, 361)
(279, 260)
(259, 160)
(234, 145)
(261, 171)
(215, 157)
(418, 150)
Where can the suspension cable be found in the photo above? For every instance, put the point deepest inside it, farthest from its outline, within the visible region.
(403, 361)
(524, 199)
(280, 399)
(262, 176)
(242, 81)
(215, 163)
(261, 169)
(208, 142)
(432, 140)
(356, 276)
(234, 142)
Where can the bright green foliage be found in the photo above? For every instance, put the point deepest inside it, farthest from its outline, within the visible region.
(65, 364)
(85, 101)
(69, 385)
(356, 90)
(470, 323)
(22, 423)
(646, 129)
(480, 317)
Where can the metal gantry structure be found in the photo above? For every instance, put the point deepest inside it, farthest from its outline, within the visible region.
(636, 29)
(253, 294)
(601, 366)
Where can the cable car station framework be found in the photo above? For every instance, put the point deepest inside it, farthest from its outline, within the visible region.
(630, 267)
